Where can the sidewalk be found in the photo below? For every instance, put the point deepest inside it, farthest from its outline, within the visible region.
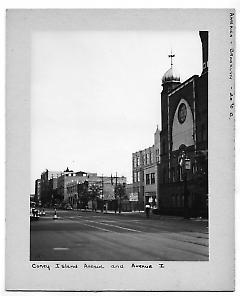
(153, 216)
(137, 214)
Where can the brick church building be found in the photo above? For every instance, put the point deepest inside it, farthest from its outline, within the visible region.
(172, 175)
(183, 168)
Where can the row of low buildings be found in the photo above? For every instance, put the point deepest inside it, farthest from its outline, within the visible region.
(160, 174)
(76, 189)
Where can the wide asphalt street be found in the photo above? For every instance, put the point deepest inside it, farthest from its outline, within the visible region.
(85, 236)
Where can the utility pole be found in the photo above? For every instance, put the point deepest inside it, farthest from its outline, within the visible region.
(116, 195)
(102, 195)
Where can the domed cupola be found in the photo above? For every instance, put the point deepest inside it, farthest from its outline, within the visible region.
(171, 78)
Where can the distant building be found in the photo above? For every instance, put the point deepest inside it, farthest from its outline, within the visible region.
(58, 187)
(32, 197)
(145, 173)
(46, 190)
(75, 188)
(38, 191)
(67, 177)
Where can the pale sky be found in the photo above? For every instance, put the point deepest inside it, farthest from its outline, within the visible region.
(95, 95)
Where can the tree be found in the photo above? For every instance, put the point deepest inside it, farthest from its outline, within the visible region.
(201, 174)
(200, 178)
(83, 195)
(120, 193)
(94, 191)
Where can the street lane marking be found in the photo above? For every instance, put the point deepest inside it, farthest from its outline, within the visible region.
(60, 249)
(97, 227)
(116, 226)
(117, 221)
(129, 229)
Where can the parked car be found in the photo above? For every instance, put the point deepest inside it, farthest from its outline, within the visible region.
(68, 207)
(34, 214)
(42, 212)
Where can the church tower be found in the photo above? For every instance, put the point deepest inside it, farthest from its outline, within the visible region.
(170, 80)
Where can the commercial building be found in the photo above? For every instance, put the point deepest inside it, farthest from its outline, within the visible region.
(57, 187)
(65, 178)
(80, 190)
(46, 185)
(146, 174)
(32, 197)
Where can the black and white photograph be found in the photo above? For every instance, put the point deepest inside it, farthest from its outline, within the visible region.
(123, 137)
(114, 123)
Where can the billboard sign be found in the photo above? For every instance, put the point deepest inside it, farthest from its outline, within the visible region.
(133, 196)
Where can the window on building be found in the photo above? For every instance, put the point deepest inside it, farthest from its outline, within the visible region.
(137, 160)
(151, 157)
(138, 176)
(134, 162)
(152, 178)
(147, 179)
(147, 158)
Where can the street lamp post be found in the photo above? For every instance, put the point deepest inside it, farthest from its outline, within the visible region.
(185, 164)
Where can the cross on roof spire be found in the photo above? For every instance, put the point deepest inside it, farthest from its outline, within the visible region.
(171, 56)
